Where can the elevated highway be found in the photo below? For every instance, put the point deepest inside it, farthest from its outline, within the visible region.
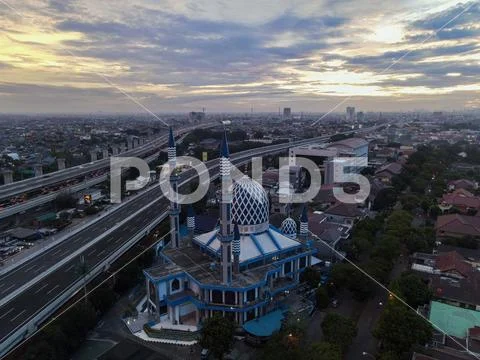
(20, 187)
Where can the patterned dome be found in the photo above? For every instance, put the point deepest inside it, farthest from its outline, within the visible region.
(289, 228)
(250, 207)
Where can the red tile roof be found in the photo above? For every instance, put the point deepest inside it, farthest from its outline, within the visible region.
(453, 261)
(458, 224)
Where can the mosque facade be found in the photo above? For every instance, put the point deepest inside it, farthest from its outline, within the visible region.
(241, 269)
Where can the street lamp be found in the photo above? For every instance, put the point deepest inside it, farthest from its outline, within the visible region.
(368, 354)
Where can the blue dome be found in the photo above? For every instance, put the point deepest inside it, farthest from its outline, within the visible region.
(250, 206)
(289, 228)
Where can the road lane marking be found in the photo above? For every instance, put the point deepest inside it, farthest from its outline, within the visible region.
(40, 289)
(18, 315)
(69, 268)
(8, 312)
(30, 268)
(101, 253)
(6, 290)
(56, 252)
(52, 289)
(92, 252)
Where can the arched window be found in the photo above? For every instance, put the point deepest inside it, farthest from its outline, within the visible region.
(175, 285)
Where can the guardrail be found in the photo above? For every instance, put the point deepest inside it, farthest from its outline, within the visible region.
(31, 325)
(58, 176)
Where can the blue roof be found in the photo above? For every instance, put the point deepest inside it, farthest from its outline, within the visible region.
(224, 148)
(265, 325)
(171, 138)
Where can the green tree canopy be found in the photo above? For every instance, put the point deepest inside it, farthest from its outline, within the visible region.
(410, 287)
(324, 351)
(217, 335)
(339, 330)
(399, 328)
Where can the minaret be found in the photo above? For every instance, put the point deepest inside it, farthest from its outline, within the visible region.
(174, 207)
(236, 249)
(304, 223)
(225, 234)
(190, 220)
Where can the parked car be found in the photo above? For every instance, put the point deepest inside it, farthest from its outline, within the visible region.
(204, 354)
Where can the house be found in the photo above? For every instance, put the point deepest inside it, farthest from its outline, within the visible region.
(388, 171)
(343, 213)
(457, 225)
(460, 199)
(331, 233)
(463, 184)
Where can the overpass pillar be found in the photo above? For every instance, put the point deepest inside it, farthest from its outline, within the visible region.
(61, 163)
(105, 153)
(115, 150)
(144, 141)
(93, 155)
(137, 141)
(38, 170)
(7, 177)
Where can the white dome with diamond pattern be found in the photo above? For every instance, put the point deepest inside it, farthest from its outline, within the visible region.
(250, 206)
(289, 228)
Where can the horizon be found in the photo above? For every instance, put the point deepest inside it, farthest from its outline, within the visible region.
(177, 56)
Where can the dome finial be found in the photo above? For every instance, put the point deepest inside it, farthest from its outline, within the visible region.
(224, 147)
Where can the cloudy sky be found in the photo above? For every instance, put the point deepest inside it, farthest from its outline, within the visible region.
(181, 55)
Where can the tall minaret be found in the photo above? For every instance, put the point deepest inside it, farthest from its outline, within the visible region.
(225, 234)
(304, 223)
(174, 207)
(236, 249)
(190, 221)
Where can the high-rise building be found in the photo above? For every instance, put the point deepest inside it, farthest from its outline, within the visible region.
(350, 113)
(360, 116)
(287, 112)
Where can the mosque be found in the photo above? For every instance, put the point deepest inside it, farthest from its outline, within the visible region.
(241, 269)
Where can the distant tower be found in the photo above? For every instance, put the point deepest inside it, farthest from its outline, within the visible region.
(191, 220)
(225, 234)
(174, 208)
(304, 223)
(350, 116)
(236, 249)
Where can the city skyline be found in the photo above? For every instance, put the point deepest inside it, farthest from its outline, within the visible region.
(177, 56)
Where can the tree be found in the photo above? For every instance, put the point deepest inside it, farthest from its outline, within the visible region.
(321, 298)
(287, 344)
(65, 200)
(399, 328)
(217, 335)
(324, 351)
(339, 330)
(412, 289)
(311, 277)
